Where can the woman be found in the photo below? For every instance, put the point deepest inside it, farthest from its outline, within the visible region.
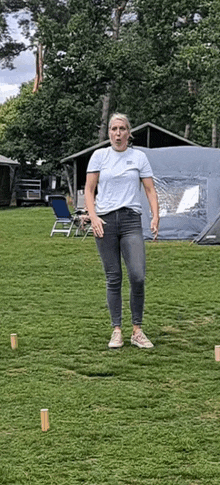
(117, 172)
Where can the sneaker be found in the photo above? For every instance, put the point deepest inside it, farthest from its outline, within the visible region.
(141, 340)
(116, 340)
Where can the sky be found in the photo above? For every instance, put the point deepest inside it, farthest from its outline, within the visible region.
(24, 66)
(11, 80)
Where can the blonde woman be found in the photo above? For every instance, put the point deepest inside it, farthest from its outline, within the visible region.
(117, 173)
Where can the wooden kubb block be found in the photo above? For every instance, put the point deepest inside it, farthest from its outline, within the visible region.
(14, 341)
(217, 353)
(44, 419)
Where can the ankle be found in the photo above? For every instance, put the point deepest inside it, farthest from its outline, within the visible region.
(136, 329)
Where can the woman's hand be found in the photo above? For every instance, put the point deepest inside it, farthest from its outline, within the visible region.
(154, 227)
(153, 201)
(96, 221)
(97, 226)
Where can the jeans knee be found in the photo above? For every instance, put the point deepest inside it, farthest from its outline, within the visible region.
(137, 283)
(114, 281)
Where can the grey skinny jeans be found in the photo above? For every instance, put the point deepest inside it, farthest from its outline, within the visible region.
(123, 236)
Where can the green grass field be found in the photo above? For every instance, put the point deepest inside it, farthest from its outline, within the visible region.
(121, 417)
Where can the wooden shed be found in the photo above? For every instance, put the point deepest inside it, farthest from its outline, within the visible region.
(8, 169)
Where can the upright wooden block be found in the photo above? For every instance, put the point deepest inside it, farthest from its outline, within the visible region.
(44, 419)
(14, 341)
(217, 353)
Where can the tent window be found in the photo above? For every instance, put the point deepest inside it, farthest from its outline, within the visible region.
(183, 196)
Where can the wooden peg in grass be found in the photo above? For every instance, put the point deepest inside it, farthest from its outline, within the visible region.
(44, 419)
(217, 353)
(14, 341)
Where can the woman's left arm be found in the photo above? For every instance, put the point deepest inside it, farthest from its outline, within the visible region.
(153, 201)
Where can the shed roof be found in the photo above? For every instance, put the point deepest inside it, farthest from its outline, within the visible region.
(7, 161)
(147, 135)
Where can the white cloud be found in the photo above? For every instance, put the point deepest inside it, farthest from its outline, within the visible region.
(8, 90)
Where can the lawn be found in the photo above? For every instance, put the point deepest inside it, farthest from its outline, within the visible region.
(117, 417)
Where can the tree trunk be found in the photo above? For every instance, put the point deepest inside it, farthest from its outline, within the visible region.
(117, 19)
(187, 131)
(214, 134)
(36, 80)
(40, 64)
(192, 88)
(39, 68)
(103, 131)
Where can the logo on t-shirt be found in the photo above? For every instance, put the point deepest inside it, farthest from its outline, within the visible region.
(129, 162)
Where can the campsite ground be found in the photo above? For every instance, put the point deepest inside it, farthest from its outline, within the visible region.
(126, 417)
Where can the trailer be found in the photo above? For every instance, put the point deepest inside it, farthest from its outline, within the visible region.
(31, 191)
(28, 191)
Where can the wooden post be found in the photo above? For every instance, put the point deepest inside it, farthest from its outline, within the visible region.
(14, 341)
(217, 353)
(44, 419)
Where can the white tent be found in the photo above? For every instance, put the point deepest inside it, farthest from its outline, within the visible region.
(187, 180)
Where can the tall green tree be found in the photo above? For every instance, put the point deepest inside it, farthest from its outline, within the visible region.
(79, 61)
(28, 14)
(201, 52)
(162, 66)
(9, 48)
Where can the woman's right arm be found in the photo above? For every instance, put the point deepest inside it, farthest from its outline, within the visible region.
(96, 222)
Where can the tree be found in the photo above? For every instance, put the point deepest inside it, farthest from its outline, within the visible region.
(202, 51)
(163, 67)
(9, 48)
(116, 23)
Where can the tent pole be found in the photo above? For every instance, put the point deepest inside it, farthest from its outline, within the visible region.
(148, 137)
(68, 181)
(214, 134)
(75, 183)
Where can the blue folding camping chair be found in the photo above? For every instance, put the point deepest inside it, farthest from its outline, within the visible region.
(64, 219)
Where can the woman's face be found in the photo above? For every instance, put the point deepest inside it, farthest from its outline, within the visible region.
(119, 135)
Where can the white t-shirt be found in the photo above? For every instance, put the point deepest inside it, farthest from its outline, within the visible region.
(120, 175)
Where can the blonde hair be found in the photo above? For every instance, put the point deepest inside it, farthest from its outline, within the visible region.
(120, 116)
